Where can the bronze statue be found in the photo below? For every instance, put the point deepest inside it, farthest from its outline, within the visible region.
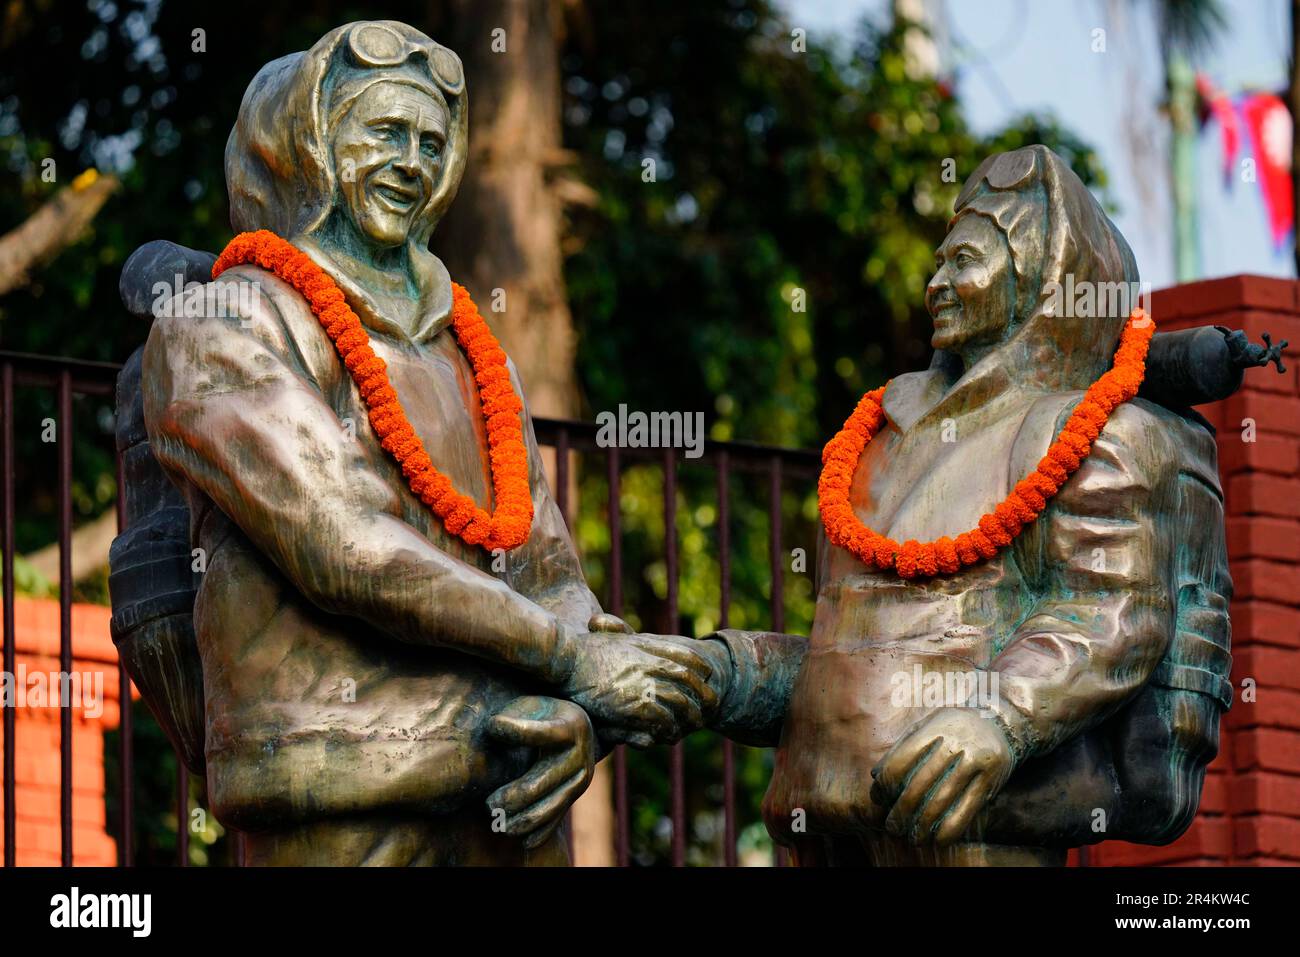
(367, 678)
(1067, 690)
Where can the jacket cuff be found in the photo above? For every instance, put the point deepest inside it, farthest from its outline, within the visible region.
(762, 668)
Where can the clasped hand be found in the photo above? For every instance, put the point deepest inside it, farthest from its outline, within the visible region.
(638, 688)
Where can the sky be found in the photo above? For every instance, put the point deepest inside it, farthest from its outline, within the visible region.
(1016, 56)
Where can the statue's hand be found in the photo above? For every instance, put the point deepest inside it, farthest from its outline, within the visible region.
(639, 689)
(712, 650)
(535, 804)
(940, 774)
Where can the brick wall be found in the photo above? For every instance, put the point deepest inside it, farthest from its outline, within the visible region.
(36, 738)
(1250, 808)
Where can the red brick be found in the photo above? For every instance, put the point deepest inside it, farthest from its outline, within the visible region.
(1201, 862)
(1267, 749)
(1267, 834)
(1271, 452)
(1262, 621)
(1262, 793)
(1219, 298)
(1257, 493)
(1270, 411)
(1269, 666)
(42, 804)
(1272, 708)
(1258, 536)
(1269, 580)
(38, 739)
(1267, 379)
(1214, 795)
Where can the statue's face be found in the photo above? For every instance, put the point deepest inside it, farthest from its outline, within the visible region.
(972, 293)
(387, 159)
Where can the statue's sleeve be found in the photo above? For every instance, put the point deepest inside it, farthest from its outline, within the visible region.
(1100, 558)
(762, 667)
(232, 407)
(548, 570)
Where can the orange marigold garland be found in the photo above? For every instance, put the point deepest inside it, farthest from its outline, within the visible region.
(508, 526)
(996, 529)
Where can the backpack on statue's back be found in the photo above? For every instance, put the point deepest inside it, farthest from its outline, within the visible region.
(1137, 776)
(1164, 739)
(153, 577)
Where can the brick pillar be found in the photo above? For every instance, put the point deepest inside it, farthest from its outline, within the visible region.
(36, 738)
(1250, 807)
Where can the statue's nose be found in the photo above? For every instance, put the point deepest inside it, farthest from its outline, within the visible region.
(409, 162)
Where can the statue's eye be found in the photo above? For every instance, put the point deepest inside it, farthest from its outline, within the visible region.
(384, 131)
(429, 146)
(964, 259)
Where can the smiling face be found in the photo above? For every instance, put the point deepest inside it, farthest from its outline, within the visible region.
(387, 157)
(971, 296)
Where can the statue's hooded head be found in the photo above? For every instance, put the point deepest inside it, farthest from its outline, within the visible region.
(357, 144)
(1023, 223)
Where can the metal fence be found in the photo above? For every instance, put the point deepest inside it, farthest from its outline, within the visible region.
(569, 439)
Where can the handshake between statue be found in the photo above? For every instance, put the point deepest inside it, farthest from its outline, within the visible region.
(641, 689)
(637, 689)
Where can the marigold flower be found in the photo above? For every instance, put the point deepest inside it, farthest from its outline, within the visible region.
(511, 523)
(1024, 504)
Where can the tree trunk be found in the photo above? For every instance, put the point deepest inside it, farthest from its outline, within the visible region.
(52, 228)
(502, 240)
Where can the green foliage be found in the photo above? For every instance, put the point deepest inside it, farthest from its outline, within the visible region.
(29, 582)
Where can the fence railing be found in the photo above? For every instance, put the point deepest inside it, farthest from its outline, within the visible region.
(569, 439)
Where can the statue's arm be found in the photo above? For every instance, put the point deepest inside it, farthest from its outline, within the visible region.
(1107, 617)
(231, 407)
(756, 672)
